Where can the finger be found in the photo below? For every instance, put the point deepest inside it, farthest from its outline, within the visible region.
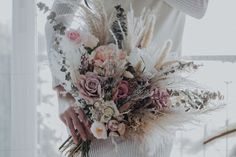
(88, 132)
(86, 126)
(79, 126)
(83, 118)
(72, 130)
(86, 123)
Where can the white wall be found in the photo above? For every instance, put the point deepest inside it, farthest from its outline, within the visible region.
(215, 34)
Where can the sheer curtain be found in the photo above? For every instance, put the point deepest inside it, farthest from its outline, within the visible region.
(23, 80)
(18, 80)
(5, 49)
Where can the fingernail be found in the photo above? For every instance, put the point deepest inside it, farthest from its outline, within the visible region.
(82, 136)
(88, 125)
(75, 141)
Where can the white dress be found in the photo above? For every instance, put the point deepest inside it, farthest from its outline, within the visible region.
(170, 25)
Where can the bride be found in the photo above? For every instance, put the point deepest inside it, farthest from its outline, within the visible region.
(170, 16)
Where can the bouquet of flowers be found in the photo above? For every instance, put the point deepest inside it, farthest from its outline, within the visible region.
(123, 83)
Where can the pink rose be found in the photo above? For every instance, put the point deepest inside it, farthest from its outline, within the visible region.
(121, 91)
(73, 36)
(116, 127)
(89, 87)
(113, 125)
(107, 52)
(160, 98)
(103, 53)
(122, 55)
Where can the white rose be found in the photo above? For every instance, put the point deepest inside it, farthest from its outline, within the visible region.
(99, 130)
(90, 41)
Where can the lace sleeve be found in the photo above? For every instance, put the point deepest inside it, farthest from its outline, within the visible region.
(61, 9)
(195, 8)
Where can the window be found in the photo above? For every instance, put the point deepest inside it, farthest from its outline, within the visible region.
(17, 81)
(5, 51)
(211, 41)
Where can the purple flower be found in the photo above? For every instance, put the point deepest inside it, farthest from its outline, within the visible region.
(159, 98)
(73, 36)
(89, 87)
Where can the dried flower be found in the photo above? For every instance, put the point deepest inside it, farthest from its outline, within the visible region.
(108, 112)
(90, 41)
(122, 55)
(103, 111)
(106, 53)
(81, 37)
(121, 91)
(159, 98)
(102, 53)
(128, 74)
(113, 125)
(89, 87)
(99, 130)
(125, 107)
(73, 36)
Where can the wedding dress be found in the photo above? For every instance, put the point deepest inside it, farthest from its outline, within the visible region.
(170, 24)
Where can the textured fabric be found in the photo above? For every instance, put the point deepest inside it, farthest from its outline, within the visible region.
(61, 10)
(170, 24)
(126, 148)
(195, 8)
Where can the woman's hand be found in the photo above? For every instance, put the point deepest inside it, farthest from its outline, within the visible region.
(76, 121)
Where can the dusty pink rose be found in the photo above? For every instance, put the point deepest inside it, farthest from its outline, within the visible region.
(103, 53)
(73, 36)
(89, 87)
(160, 98)
(121, 55)
(116, 127)
(113, 125)
(121, 91)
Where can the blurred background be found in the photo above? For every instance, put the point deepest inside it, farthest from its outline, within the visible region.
(29, 123)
